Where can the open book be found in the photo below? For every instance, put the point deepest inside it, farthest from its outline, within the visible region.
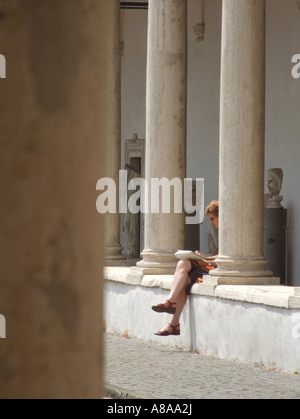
(189, 254)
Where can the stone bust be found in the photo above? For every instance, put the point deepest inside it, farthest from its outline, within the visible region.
(274, 183)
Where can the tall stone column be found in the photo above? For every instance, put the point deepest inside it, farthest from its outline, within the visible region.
(113, 134)
(242, 116)
(165, 128)
(53, 110)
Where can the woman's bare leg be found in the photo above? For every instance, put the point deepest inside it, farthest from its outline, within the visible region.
(180, 303)
(180, 280)
(178, 291)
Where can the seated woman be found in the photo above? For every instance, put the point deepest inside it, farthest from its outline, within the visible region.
(188, 272)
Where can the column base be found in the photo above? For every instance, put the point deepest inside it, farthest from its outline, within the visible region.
(140, 271)
(241, 267)
(156, 263)
(241, 271)
(113, 256)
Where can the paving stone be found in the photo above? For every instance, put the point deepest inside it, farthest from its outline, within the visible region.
(144, 370)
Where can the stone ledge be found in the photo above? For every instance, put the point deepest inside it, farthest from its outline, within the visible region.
(270, 295)
(157, 281)
(241, 280)
(294, 303)
(117, 274)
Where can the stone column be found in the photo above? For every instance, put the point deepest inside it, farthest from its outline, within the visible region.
(53, 106)
(113, 134)
(165, 128)
(242, 116)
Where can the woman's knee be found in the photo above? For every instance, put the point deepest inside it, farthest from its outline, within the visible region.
(184, 266)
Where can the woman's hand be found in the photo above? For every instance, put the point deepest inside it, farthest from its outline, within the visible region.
(211, 260)
(199, 253)
(203, 262)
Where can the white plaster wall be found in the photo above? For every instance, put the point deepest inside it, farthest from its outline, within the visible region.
(133, 80)
(133, 74)
(226, 329)
(282, 101)
(203, 92)
(203, 102)
(245, 332)
(282, 114)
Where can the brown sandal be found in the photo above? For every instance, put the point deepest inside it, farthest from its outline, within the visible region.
(164, 332)
(161, 308)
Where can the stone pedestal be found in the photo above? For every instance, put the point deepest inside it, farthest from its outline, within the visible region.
(275, 241)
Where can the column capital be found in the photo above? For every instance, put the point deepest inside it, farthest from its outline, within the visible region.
(242, 271)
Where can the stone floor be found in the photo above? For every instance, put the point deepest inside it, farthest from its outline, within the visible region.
(143, 370)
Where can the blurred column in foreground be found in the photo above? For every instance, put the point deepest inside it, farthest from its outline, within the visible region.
(52, 132)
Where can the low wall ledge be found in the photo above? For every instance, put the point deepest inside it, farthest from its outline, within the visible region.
(270, 295)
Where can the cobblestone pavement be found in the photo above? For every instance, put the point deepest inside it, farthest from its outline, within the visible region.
(144, 370)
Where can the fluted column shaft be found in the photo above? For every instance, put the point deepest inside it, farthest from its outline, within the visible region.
(242, 123)
(165, 126)
(113, 130)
